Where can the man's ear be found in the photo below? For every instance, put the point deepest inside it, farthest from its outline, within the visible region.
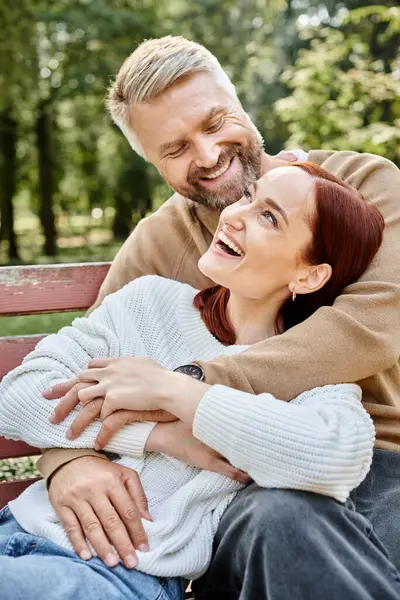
(316, 277)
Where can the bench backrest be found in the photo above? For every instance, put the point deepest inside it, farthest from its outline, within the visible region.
(33, 290)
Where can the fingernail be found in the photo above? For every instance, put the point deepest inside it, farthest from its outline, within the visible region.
(148, 517)
(96, 447)
(131, 561)
(69, 434)
(143, 548)
(85, 555)
(52, 418)
(111, 560)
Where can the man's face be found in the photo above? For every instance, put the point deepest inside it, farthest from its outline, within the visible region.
(200, 140)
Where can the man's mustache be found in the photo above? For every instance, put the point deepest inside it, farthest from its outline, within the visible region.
(197, 173)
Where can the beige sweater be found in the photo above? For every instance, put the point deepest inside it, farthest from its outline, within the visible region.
(356, 340)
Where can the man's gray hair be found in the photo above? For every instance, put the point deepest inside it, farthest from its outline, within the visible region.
(150, 70)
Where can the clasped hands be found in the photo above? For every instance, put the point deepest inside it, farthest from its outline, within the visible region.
(102, 502)
(125, 390)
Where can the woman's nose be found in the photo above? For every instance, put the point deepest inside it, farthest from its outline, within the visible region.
(233, 216)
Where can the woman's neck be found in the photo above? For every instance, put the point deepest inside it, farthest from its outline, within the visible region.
(252, 320)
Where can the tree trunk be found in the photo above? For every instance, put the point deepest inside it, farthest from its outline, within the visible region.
(8, 180)
(46, 168)
(122, 224)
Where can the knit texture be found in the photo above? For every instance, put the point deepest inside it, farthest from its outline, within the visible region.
(322, 442)
(355, 340)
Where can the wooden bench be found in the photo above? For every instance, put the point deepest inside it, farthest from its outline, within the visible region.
(37, 290)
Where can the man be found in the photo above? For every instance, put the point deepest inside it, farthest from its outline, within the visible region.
(179, 110)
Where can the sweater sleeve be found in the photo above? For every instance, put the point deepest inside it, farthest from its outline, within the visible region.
(25, 414)
(321, 442)
(359, 335)
(159, 245)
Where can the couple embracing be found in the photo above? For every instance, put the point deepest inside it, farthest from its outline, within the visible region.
(240, 370)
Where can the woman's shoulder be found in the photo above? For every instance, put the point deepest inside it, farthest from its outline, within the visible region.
(150, 293)
(156, 283)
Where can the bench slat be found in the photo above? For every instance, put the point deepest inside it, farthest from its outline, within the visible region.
(13, 449)
(50, 288)
(13, 349)
(11, 489)
(34, 290)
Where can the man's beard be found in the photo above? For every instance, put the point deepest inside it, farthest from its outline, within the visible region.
(232, 190)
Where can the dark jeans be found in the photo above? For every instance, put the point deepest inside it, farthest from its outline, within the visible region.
(291, 545)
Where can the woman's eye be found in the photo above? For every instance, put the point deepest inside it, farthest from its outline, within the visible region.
(270, 217)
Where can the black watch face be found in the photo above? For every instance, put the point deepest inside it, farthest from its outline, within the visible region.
(192, 370)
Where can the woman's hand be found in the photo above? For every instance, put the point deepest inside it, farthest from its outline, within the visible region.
(109, 385)
(178, 441)
(125, 383)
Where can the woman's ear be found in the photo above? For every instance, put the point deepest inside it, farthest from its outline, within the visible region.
(316, 277)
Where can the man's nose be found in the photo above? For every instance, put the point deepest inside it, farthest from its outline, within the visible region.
(207, 154)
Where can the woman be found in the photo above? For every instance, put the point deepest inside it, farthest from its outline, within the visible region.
(289, 246)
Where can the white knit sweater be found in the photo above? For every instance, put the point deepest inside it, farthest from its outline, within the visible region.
(321, 442)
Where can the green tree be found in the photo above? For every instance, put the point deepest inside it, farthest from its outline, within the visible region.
(345, 89)
(17, 68)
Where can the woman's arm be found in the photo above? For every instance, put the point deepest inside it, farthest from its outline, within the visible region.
(25, 413)
(321, 442)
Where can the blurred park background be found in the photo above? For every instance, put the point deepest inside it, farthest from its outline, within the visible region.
(311, 74)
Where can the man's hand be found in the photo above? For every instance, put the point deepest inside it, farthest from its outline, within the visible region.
(177, 440)
(103, 502)
(286, 156)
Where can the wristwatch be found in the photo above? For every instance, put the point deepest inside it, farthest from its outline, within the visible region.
(192, 370)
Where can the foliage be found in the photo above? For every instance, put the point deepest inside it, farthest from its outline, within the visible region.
(310, 74)
(18, 468)
(348, 80)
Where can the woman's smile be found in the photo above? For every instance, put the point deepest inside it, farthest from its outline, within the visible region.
(228, 245)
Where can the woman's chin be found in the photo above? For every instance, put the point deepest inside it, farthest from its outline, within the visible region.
(212, 268)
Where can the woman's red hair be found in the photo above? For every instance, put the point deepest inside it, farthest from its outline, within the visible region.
(346, 233)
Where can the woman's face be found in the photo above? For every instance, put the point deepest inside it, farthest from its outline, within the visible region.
(267, 229)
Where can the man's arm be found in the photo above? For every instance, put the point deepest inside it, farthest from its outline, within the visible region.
(359, 335)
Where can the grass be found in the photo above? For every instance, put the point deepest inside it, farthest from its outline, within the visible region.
(30, 324)
(18, 468)
(80, 240)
